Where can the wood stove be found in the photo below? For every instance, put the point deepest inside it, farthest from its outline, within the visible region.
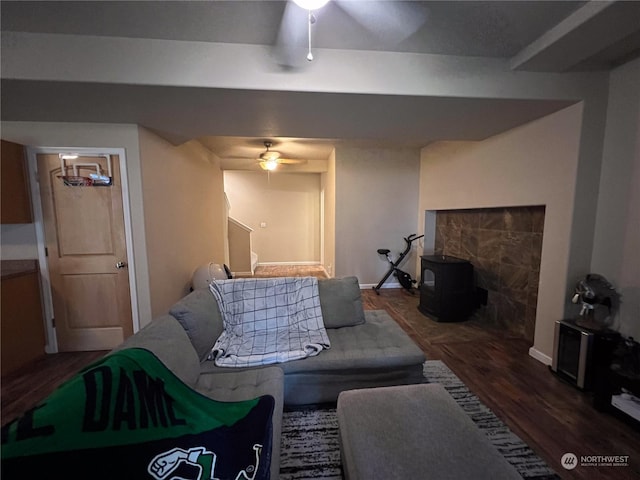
(447, 289)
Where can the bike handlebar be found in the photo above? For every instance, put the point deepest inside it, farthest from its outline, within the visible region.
(412, 237)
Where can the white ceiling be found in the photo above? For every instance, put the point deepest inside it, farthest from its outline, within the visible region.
(470, 28)
(547, 36)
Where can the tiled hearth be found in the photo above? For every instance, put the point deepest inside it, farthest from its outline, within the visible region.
(504, 245)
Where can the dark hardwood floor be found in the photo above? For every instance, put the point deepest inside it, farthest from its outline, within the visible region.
(551, 416)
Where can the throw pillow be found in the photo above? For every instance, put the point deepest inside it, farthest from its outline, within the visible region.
(199, 315)
(341, 302)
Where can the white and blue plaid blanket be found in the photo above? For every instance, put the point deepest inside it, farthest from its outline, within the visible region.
(268, 320)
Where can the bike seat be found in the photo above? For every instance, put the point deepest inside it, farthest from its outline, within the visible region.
(383, 251)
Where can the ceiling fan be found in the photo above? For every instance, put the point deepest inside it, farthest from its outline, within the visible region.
(392, 21)
(270, 159)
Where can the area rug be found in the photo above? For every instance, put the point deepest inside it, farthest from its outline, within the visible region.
(310, 446)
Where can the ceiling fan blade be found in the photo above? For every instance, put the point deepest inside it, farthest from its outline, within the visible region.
(391, 21)
(291, 161)
(281, 161)
(290, 49)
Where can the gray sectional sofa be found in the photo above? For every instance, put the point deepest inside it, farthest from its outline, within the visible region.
(368, 349)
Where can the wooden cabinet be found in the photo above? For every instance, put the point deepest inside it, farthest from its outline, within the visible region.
(15, 202)
(22, 326)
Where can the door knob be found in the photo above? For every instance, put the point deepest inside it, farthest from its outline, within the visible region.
(121, 265)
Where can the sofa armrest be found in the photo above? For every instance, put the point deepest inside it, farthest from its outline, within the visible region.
(166, 338)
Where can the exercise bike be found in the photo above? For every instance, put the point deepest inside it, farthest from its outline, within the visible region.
(403, 277)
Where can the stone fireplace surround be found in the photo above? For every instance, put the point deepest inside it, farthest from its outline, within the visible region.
(504, 245)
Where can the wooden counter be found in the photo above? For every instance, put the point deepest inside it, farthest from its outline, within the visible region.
(21, 320)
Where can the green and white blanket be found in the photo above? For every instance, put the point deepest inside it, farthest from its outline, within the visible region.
(128, 416)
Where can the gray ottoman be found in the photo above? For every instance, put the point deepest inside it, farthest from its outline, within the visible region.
(413, 431)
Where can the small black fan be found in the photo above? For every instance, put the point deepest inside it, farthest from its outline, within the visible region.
(599, 302)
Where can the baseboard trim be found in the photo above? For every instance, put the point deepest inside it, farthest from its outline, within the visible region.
(241, 273)
(364, 286)
(541, 357)
(266, 264)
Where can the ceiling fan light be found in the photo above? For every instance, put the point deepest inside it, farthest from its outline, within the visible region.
(270, 164)
(311, 4)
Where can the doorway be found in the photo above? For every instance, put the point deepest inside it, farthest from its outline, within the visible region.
(284, 212)
(84, 247)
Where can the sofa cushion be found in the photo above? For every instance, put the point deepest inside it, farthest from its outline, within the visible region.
(379, 343)
(166, 338)
(375, 354)
(199, 315)
(341, 302)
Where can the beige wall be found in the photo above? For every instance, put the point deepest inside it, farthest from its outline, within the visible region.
(184, 215)
(534, 164)
(376, 206)
(616, 253)
(328, 182)
(287, 203)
